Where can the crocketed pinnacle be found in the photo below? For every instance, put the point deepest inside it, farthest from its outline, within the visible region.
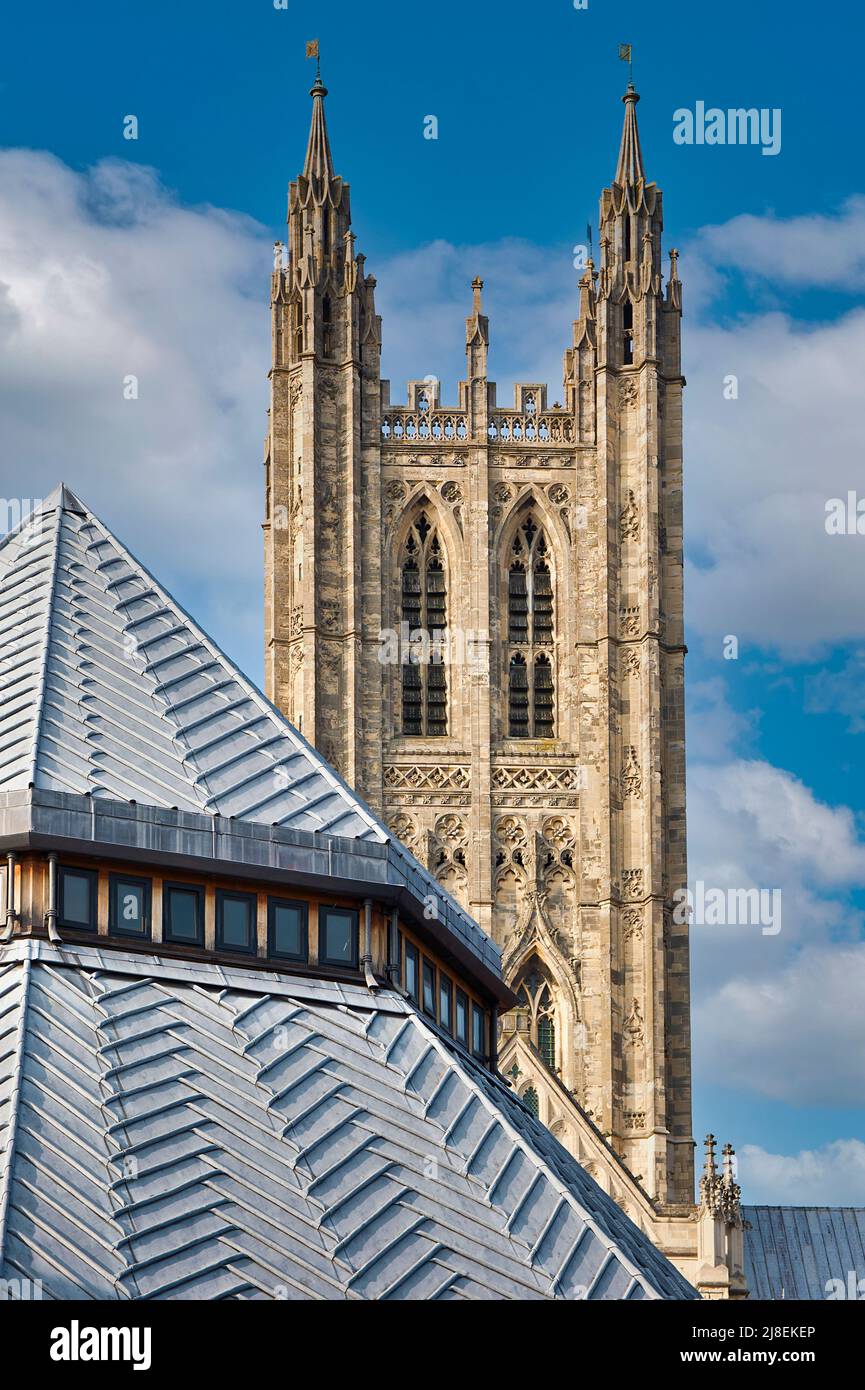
(629, 170)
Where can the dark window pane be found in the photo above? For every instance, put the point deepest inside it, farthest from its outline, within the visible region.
(518, 698)
(530, 1098)
(78, 898)
(429, 988)
(547, 1041)
(235, 922)
(130, 907)
(184, 915)
(411, 965)
(445, 998)
(338, 943)
(462, 1018)
(478, 1032)
(287, 923)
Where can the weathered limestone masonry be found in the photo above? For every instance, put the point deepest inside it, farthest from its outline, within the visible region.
(539, 770)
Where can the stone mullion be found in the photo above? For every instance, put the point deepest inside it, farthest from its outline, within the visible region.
(308, 595)
(372, 581)
(279, 597)
(477, 684)
(653, 818)
(632, 797)
(348, 446)
(604, 1059)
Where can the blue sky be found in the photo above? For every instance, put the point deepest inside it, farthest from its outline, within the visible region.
(152, 256)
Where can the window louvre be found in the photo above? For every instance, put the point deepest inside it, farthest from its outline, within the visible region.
(531, 623)
(424, 615)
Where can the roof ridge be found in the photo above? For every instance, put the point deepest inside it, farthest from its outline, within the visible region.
(14, 1102)
(63, 500)
(458, 1063)
(39, 695)
(258, 698)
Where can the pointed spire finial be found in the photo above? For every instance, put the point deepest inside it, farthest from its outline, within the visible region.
(629, 170)
(477, 286)
(318, 166)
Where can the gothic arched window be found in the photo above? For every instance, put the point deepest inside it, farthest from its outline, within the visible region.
(518, 698)
(424, 616)
(628, 334)
(530, 619)
(531, 1100)
(536, 1006)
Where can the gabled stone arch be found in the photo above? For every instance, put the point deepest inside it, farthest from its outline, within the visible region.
(536, 943)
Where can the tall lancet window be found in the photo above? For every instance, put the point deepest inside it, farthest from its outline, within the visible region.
(628, 334)
(536, 1012)
(424, 615)
(531, 607)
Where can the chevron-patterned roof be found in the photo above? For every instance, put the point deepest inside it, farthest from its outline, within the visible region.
(110, 688)
(178, 1130)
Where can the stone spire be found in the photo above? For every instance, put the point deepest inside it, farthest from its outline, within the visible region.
(629, 170)
(318, 166)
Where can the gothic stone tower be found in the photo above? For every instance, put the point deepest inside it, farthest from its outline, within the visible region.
(522, 727)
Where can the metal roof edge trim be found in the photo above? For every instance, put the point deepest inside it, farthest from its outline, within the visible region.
(208, 974)
(456, 1062)
(41, 821)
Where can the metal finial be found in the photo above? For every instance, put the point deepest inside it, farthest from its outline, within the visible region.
(626, 55)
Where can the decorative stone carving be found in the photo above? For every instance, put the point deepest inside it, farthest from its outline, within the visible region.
(417, 777)
(631, 777)
(632, 924)
(537, 779)
(630, 661)
(629, 622)
(628, 391)
(632, 883)
(405, 829)
(629, 519)
(329, 615)
(448, 854)
(634, 1029)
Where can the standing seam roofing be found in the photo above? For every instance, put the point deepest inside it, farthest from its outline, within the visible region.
(186, 1132)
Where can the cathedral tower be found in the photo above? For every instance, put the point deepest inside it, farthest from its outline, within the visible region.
(475, 611)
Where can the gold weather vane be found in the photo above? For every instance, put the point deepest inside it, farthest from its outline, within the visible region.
(625, 56)
(312, 52)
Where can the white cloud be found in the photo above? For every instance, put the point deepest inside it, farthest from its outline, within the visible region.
(832, 1174)
(799, 252)
(715, 729)
(778, 1015)
(529, 295)
(795, 1035)
(103, 274)
(760, 469)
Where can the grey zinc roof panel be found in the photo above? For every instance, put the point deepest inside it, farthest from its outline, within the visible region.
(110, 689)
(175, 1130)
(794, 1252)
